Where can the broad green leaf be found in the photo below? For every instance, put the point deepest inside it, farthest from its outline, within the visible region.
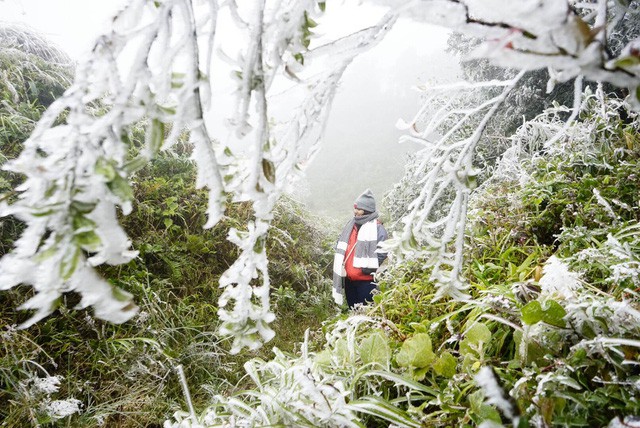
(375, 349)
(476, 335)
(416, 352)
(121, 188)
(446, 365)
(88, 240)
(106, 169)
(551, 313)
(168, 223)
(156, 135)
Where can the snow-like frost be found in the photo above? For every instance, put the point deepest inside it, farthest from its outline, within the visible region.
(558, 281)
(59, 409)
(488, 381)
(78, 173)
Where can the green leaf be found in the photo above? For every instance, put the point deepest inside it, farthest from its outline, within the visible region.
(135, 164)
(88, 240)
(269, 170)
(80, 222)
(383, 409)
(82, 207)
(627, 61)
(168, 223)
(106, 169)
(43, 213)
(69, 264)
(446, 365)
(482, 411)
(416, 352)
(156, 136)
(418, 327)
(322, 5)
(375, 349)
(400, 380)
(477, 335)
(121, 188)
(551, 313)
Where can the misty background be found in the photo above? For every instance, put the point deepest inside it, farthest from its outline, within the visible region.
(360, 148)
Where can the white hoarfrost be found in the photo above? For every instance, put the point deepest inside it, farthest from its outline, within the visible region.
(557, 281)
(59, 409)
(487, 379)
(155, 66)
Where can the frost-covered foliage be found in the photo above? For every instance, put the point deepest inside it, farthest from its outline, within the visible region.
(78, 162)
(555, 322)
(444, 174)
(337, 386)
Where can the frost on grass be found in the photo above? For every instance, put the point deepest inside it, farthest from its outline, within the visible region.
(330, 388)
(59, 409)
(557, 281)
(487, 379)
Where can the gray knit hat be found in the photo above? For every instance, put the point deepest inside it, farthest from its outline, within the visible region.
(366, 201)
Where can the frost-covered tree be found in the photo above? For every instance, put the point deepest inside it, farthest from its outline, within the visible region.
(155, 65)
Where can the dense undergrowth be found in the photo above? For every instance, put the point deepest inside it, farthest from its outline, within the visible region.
(74, 370)
(550, 338)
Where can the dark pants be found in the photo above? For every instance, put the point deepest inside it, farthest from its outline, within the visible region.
(358, 291)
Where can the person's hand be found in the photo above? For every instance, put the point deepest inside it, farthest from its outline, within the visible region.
(337, 297)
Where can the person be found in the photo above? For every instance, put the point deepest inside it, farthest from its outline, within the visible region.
(357, 254)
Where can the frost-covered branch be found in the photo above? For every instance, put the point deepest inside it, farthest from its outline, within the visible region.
(434, 225)
(79, 160)
(568, 37)
(154, 67)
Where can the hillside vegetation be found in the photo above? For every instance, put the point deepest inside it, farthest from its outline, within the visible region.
(550, 335)
(75, 370)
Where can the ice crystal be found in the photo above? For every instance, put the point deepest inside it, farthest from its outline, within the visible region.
(47, 385)
(558, 281)
(486, 378)
(59, 409)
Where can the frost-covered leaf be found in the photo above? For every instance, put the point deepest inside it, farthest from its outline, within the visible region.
(475, 338)
(375, 349)
(416, 352)
(445, 365)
